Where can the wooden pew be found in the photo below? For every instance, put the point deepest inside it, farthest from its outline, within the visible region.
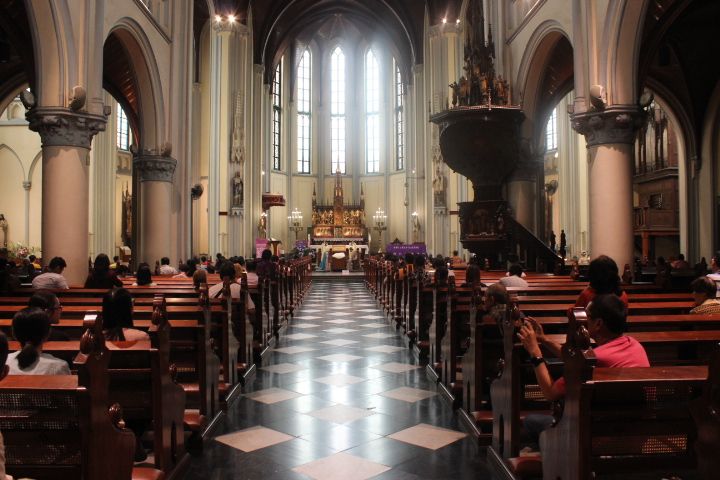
(64, 426)
(618, 396)
(140, 381)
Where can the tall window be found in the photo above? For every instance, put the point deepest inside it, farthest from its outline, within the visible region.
(303, 112)
(337, 110)
(399, 126)
(372, 113)
(277, 112)
(123, 129)
(551, 134)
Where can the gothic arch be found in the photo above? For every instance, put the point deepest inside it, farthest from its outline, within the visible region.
(31, 171)
(619, 62)
(706, 178)
(538, 57)
(13, 154)
(142, 94)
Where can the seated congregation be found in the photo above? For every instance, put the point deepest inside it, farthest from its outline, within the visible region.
(125, 376)
(565, 379)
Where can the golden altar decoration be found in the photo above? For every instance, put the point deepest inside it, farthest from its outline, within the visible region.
(339, 222)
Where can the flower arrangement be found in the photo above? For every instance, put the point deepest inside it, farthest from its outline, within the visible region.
(18, 251)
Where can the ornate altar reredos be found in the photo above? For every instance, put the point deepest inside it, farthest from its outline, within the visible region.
(480, 137)
(339, 222)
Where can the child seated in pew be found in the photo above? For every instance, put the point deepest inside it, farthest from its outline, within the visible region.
(607, 320)
(117, 310)
(704, 294)
(31, 327)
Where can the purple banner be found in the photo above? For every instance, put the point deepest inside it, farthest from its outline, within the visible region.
(260, 245)
(301, 244)
(403, 248)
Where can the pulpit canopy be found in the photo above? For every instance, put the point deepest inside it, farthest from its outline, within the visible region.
(272, 200)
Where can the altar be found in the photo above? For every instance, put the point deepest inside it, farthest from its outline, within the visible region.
(339, 223)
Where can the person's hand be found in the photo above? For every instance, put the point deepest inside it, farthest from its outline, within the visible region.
(529, 340)
(539, 332)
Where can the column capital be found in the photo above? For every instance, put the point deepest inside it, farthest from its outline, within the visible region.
(62, 127)
(154, 168)
(615, 124)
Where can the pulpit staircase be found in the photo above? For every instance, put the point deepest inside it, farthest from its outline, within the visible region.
(537, 255)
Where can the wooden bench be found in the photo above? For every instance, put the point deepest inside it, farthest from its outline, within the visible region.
(615, 420)
(64, 426)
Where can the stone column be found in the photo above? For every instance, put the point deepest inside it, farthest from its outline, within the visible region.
(610, 136)
(522, 194)
(66, 136)
(155, 176)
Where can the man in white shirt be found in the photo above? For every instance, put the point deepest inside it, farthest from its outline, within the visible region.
(227, 272)
(52, 279)
(515, 278)
(165, 268)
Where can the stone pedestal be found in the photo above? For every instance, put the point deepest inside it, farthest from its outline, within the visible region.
(610, 136)
(66, 136)
(155, 174)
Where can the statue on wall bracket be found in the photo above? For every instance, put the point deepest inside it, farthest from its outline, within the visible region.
(439, 183)
(237, 190)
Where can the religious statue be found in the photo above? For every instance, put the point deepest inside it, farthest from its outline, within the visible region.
(553, 245)
(439, 182)
(563, 244)
(236, 149)
(324, 257)
(455, 93)
(4, 228)
(500, 90)
(237, 190)
(262, 225)
(126, 216)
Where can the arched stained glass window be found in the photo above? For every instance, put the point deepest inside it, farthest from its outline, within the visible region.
(304, 110)
(372, 113)
(337, 111)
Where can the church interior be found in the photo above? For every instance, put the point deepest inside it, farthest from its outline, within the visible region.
(374, 170)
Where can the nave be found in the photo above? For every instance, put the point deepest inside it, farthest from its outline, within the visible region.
(340, 397)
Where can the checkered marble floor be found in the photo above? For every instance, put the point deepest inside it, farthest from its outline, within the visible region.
(340, 397)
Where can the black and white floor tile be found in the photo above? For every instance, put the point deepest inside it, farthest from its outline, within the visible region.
(340, 397)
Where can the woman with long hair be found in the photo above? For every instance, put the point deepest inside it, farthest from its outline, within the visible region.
(101, 276)
(31, 327)
(143, 276)
(117, 309)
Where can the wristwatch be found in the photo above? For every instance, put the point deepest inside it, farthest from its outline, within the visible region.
(536, 361)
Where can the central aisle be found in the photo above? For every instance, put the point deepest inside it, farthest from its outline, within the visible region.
(342, 398)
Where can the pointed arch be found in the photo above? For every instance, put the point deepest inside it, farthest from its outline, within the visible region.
(546, 43)
(11, 151)
(141, 95)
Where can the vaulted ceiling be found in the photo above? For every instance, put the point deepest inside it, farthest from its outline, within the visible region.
(17, 66)
(679, 53)
(278, 23)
